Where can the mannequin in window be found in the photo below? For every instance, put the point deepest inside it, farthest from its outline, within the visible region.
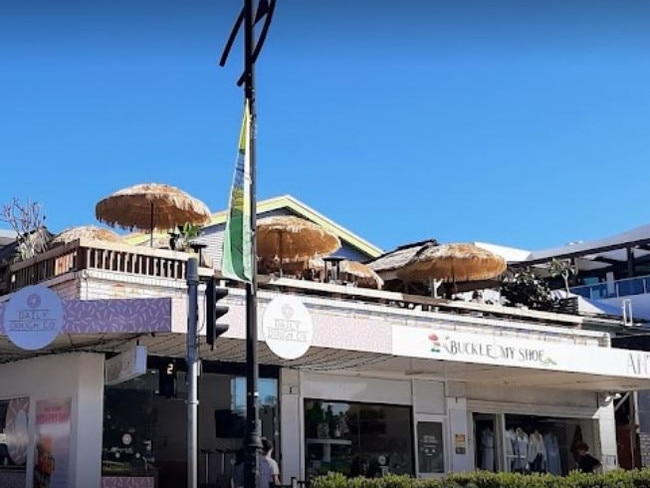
(487, 450)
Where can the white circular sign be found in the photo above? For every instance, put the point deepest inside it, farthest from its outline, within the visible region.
(33, 317)
(287, 327)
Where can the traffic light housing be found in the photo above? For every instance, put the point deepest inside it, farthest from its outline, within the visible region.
(167, 379)
(214, 311)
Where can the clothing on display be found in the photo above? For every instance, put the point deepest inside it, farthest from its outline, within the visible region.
(533, 451)
(536, 452)
(553, 460)
(519, 458)
(487, 450)
(527, 443)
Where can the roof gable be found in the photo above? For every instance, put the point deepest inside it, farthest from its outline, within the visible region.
(298, 208)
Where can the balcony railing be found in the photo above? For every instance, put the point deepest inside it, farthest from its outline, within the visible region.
(614, 289)
(98, 255)
(129, 260)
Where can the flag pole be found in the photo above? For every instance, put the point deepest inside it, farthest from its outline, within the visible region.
(239, 247)
(253, 438)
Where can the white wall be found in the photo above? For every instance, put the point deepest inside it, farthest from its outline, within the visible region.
(79, 376)
(355, 389)
(291, 425)
(541, 398)
(605, 445)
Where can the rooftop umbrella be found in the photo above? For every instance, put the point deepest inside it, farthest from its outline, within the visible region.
(363, 275)
(151, 206)
(293, 239)
(86, 231)
(452, 262)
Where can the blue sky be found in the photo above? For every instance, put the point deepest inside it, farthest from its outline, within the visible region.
(520, 123)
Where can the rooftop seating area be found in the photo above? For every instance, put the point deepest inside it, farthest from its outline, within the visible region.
(129, 260)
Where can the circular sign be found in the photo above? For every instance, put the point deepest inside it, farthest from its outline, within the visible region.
(16, 430)
(33, 317)
(287, 327)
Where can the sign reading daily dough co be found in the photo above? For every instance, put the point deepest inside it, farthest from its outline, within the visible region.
(287, 327)
(33, 317)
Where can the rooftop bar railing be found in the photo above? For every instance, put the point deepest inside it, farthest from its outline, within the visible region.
(614, 289)
(99, 255)
(85, 254)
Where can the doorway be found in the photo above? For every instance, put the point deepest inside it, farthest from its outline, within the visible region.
(431, 452)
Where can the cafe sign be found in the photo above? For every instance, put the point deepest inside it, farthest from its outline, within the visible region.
(33, 317)
(287, 327)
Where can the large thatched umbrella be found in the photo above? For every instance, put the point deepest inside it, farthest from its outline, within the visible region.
(292, 238)
(452, 262)
(151, 206)
(86, 231)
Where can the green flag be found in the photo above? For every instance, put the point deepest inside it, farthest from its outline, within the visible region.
(236, 259)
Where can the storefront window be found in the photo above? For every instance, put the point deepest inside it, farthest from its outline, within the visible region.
(542, 444)
(358, 439)
(14, 440)
(531, 443)
(130, 426)
(145, 423)
(268, 403)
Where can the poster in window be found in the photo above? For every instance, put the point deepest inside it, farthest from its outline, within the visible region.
(431, 453)
(52, 456)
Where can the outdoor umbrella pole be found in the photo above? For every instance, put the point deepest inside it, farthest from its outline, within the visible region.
(151, 227)
(281, 252)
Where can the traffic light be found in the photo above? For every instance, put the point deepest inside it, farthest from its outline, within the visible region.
(214, 311)
(167, 379)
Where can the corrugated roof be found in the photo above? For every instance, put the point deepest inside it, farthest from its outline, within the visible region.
(398, 257)
(7, 237)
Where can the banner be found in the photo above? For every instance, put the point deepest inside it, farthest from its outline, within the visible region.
(236, 259)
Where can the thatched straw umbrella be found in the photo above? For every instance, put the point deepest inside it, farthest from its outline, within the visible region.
(361, 274)
(151, 206)
(354, 271)
(452, 262)
(88, 232)
(293, 239)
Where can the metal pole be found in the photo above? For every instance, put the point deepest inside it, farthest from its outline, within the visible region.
(192, 371)
(253, 441)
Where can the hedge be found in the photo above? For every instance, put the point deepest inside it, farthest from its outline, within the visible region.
(481, 479)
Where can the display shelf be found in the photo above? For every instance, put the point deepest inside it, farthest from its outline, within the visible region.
(339, 442)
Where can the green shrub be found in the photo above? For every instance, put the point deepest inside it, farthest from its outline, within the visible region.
(482, 479)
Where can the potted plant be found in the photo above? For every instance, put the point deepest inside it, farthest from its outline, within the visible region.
(183, 239)
(525, 289)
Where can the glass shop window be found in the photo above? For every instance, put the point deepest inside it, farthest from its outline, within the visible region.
(358, 439)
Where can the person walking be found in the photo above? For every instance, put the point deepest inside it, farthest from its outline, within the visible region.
(269, 469)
